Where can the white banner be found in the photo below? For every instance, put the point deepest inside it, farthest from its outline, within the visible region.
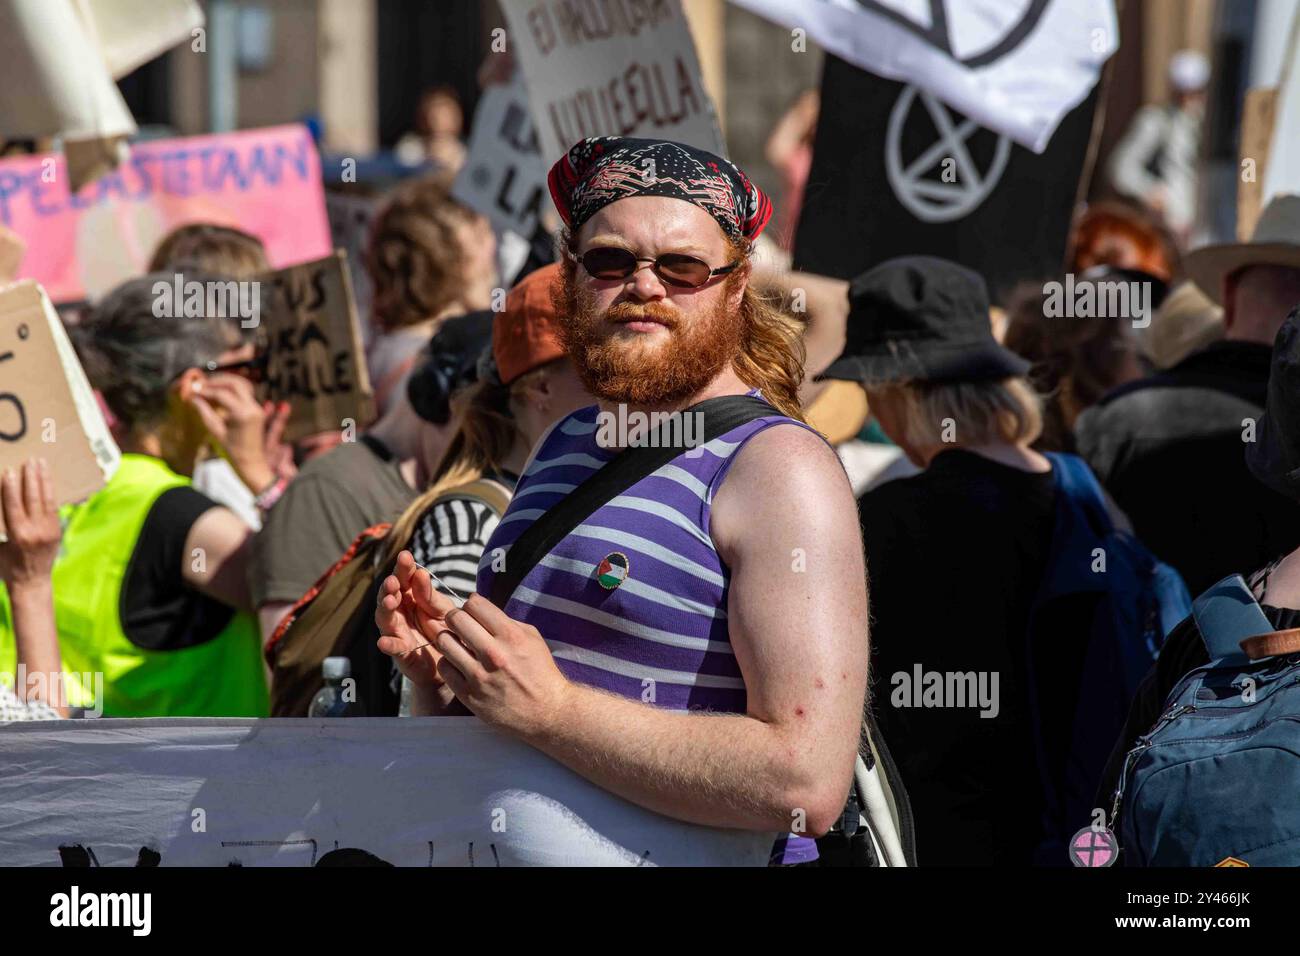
(614, 69)
(432, 791)
(504, 177)
(1014, 66)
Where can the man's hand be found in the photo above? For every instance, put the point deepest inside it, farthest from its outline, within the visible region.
(500, 668)
(409, 615)
(235, 419)
(31, 518)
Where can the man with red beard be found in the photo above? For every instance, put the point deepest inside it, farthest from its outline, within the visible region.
(698, 644)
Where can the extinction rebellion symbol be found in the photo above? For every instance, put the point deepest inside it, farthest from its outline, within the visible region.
(1094, 846)
(977, 41)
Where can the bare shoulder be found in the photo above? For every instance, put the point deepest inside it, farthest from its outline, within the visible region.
(785, 473)
(1284, 583)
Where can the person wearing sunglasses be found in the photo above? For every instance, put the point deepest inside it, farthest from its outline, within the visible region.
(728, 581)
(234, 255)
(149, 585)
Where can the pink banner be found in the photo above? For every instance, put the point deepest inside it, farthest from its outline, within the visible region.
(264, 181)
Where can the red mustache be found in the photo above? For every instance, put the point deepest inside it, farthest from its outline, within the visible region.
(649, 312)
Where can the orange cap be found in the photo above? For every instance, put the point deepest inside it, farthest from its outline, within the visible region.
(524, 336)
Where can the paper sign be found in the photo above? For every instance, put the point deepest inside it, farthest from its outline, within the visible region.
(264, 181)
(12, 248)
(504, 177)
(47, 408)
(315, 360)
(425, 791)
(617, 70)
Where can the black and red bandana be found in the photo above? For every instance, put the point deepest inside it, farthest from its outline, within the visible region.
(605, 169)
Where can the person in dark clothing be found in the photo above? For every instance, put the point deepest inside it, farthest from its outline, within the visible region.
(955, 557)
(1169, 448)
(1275, 461)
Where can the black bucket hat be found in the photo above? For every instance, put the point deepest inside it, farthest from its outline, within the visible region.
(1274, 456)
(921, 319)
(449, 362)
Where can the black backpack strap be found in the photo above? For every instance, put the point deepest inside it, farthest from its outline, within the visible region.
(618, 474)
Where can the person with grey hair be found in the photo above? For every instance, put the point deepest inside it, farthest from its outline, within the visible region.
(150, 589)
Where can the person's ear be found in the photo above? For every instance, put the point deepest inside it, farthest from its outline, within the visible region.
(1229, 300)
(737, 294)
(187, 383)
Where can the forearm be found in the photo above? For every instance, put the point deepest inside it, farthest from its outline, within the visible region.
(722, 770)
(37, 642)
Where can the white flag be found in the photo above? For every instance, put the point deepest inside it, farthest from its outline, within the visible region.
(1014, 66)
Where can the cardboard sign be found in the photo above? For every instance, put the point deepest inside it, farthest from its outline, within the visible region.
(611, 70)
(504, 177)
(896, 172)
(425, 791)
(315, 358)
(264, 181)
(12, 248)
(47, 408)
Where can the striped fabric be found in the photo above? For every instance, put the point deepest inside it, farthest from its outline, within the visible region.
(449, 541)
(661, 635)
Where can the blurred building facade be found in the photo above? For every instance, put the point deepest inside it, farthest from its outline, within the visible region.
(355, 70)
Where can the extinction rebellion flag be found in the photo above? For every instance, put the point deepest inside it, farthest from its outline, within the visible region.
(1013, 66)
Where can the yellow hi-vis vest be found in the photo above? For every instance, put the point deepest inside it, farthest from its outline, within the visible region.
(223, 677)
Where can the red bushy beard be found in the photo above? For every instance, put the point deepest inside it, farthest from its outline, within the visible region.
(640, 373)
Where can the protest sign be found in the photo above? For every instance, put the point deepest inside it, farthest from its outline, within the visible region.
(1017, 68)
(610, 70)
(504, 177)
(350, 215)
(895, 172)
(425, 791)
(80, 245)
(315, 360)
(47, 408)
(12, 248)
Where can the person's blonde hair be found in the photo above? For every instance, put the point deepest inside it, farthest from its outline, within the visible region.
(963, 413)
(204, 246)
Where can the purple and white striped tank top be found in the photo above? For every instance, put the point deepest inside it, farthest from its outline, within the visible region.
(659, 634)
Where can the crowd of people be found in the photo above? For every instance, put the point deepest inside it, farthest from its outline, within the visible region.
(689, 628)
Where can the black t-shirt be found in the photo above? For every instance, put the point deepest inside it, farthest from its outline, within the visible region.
(159, 611)
(1171, 449)
(955, 556)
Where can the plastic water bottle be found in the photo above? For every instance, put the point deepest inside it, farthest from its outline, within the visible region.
(329, 700)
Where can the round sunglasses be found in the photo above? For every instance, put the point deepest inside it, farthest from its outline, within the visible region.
(253, 369)
(674, 268)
